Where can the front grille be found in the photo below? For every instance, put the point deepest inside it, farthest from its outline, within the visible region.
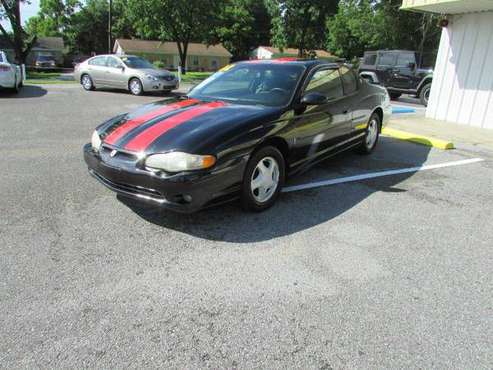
(167, 78)
(130, 189)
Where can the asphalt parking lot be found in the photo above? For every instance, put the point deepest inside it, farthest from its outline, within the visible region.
(391, 272)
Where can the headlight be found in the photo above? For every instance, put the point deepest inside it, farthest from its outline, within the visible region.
(152, 78)
(95, 141)
(178, 161)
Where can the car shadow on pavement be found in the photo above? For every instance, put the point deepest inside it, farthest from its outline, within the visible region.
(27, 91)
(297, 211)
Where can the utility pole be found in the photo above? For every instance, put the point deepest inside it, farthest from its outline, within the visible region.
(109, 26)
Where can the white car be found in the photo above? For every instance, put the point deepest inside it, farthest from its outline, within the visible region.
(10, 74)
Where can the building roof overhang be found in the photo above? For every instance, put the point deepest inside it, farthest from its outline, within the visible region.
(448, 6)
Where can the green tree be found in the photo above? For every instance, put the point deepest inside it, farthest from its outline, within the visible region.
(353, 29)
(88, 28)
(243, 25)
(361, 25)
(300, 23)
(19, 39)
(178, 21)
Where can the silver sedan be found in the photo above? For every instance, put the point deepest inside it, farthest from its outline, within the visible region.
(128, 72)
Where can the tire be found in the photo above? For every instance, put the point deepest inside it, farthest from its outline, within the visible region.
(266, 162)
(15, 89)
(371, 136)
(394, 95)
(424, 94)
(135, 86)
(86, 82)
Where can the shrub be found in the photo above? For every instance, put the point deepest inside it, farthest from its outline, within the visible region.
(159, 64)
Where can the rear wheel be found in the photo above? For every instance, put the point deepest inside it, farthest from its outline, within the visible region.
(263, 179)
(86, 82)
(371, 136)
(135, 86)
(424, 94)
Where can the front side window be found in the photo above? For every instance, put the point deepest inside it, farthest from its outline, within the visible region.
(251, 83)
(98, 61)
(348, 80)
(403, 60)
(326, 82)
(137, 63)
(387, 59)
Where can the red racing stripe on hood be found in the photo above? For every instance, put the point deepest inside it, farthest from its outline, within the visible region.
(145, 138)
(120, 131)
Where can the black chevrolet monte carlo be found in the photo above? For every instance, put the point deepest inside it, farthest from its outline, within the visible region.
(240, 133)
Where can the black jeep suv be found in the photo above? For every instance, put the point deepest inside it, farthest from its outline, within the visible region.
(400, 71)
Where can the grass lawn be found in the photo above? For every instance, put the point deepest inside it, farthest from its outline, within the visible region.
(194, 77)
(43, 78)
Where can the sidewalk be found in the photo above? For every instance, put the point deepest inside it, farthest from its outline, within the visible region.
(458, 134)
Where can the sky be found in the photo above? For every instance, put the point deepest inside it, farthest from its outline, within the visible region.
(27, 11)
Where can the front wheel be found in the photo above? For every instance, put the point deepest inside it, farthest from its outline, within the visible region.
(15, 89)
(263, 179)
(135, 86)
(371, 136)
(424, 94)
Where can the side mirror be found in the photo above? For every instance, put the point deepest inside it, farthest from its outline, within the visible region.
(411, 65)
(313, 99)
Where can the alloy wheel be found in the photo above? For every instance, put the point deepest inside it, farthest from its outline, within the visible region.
(135, 87)
(86, 82)
(372, 134)
(265, 179)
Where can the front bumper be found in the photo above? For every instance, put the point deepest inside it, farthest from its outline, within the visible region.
(186, 192)
(160, 85)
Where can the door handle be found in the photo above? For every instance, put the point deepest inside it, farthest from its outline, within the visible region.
(345, 111)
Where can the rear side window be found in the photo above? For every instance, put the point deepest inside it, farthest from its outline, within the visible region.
(348, 80)
(113, 62)
(326, 82)
(98, 61)
(387, 59)
(370, 59)
(404, 59)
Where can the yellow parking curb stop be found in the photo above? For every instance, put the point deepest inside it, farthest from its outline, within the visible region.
(420, 139)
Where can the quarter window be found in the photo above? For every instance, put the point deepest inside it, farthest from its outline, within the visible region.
(348, 80)
(98, 61)
(326, 82)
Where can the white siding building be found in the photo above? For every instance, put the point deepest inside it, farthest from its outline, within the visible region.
(462, 90)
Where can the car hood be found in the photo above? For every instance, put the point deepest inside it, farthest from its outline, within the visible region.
(187, 125)
(153, 72)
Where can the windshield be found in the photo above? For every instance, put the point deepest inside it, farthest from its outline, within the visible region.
(45, 58)
(136, 63)
(267, 84)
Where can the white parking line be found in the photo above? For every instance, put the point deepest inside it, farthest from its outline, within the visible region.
(373, 175)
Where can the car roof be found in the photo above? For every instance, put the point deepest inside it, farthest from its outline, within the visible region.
(299, 61)
(389, 51)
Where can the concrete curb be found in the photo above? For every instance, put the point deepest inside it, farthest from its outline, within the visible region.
(419, 139)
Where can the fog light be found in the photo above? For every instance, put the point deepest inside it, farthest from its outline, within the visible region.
(187, 198)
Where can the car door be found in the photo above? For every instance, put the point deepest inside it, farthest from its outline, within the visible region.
(317, 129)
(115, 73)
(352, 95)
(385, 64)
(402, 76)
(97, 69)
